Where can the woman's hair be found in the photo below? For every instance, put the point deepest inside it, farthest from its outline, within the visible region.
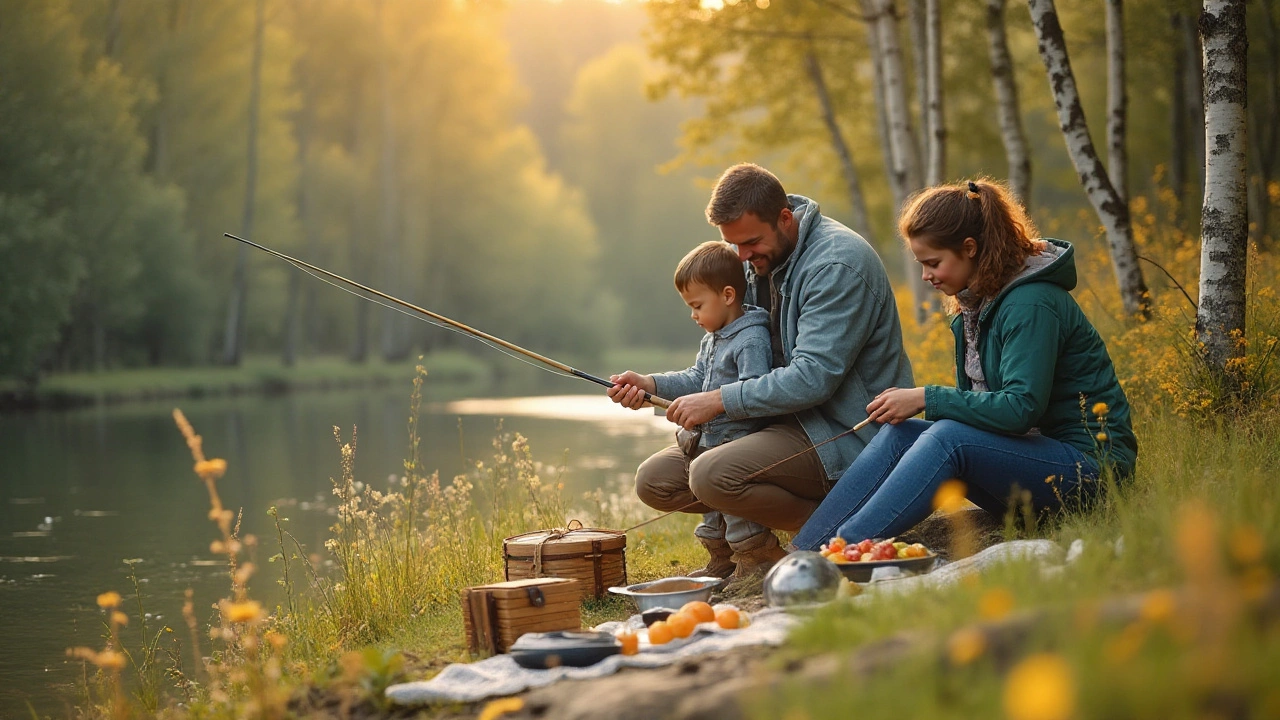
(985, 210)
(715, 265)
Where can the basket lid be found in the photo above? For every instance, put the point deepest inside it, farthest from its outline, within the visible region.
(579, 540)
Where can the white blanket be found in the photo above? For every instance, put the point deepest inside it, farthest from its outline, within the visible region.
(500, 675)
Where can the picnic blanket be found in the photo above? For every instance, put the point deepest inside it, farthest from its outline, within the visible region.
(500, 675)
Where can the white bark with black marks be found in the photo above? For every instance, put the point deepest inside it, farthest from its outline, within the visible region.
(935, 120)
(1117, 100)
(1224, 225)
(1012, 134)
(850, 172)
(903, 162)
(1107, 203)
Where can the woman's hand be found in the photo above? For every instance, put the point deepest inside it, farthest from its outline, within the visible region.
(896, 404)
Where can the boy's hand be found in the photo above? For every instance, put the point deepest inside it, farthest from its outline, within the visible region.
(629, 389)
(691, 411)
(896, 404)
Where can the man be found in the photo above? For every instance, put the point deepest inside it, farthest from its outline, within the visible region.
(836, 343)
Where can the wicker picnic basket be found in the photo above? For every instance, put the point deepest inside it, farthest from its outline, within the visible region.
(495, 615)
(595, 557)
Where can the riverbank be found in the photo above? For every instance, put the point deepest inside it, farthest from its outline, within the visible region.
(462, 372)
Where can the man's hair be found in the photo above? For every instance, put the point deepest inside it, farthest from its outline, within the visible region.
(713, 264)
(747, 188)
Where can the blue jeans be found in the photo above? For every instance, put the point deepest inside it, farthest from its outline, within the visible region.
(890, 487)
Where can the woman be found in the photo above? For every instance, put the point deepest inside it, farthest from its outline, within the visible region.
(1036, 406)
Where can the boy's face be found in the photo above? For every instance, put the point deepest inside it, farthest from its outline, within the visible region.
(711, 310)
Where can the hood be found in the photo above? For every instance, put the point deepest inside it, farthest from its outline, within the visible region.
(752, 315)
(1055, 264)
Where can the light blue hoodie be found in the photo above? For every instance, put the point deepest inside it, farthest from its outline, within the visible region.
(841, 338)
(737, 351)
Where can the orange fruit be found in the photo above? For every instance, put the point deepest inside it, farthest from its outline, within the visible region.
(699, 610)
(729, 618)
(660, 633)
(630, 642)
(682, 624)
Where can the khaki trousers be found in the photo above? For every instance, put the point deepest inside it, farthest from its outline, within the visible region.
(781, 498)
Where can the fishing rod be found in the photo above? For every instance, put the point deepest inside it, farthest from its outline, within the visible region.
(440, 319)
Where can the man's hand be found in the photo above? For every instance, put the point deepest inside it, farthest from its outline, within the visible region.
(629, 389)
(896, 404)
(691, 411)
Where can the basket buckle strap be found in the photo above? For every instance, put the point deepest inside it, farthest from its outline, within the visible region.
(553, 534)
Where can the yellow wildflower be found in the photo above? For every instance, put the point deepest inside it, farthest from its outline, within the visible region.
(119, 618)
(109, 660)
(497, 708)
(1041, 687)
(950, 496)
(109, 599)
(966, 645)
(995, 604)
(1101, 437)
(240, 612)
(1247, 545)
(1100, 409)
(1158, 606)
(211, 469)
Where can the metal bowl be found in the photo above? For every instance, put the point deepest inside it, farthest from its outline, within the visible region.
(801, 578)
(672, 592)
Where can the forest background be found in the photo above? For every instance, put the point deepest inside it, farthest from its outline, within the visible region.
(534, 169)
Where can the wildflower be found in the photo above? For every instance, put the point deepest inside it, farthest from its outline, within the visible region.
(995, 604)
(242, 612)
(1101, 437)
(1041, 687)
(211, 469)
(119, 618)
(1247, 545)
(966, 645)
(497, 708)
(1158, 606)
(109, 660)
(950, 496)
(109, 600)
(1100, 409)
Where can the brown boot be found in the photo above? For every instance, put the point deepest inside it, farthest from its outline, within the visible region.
(721, 564)
(756, 554)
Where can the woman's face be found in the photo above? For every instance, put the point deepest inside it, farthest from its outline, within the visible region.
(946, 270)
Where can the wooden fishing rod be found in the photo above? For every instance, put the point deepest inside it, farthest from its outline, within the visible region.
(653, 399)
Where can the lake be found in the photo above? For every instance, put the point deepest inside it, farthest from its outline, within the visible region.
(82, 492)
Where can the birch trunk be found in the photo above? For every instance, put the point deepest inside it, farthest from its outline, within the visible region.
(1117, 101)
(1224, 224)
(935, 119)
(903, 162)
(233, 337)
(918, 36)
(1012, 134)
(1178, 119)
(847, 168)
(1107, 203)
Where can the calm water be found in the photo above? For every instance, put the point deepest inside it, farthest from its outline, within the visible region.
(82, 492)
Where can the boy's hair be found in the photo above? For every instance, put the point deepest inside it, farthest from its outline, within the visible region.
(747, 188)
(985, 210)
(713, 264)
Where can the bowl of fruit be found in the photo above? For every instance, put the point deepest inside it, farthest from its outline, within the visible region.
(857, 561)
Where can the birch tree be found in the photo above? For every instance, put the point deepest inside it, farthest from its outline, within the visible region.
(1107, 202)
(1224, 225)
(1008, 115)
(1117, 100)
(903, 161)
(935, 120)
(850, 172)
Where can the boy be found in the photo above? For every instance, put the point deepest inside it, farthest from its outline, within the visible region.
(712, 282)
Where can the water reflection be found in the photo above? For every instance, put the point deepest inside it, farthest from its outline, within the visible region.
(83, 492)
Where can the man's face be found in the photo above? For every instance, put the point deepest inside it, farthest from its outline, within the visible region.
(759, 243)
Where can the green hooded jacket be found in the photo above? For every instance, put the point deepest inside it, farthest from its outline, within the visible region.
(1046, 367)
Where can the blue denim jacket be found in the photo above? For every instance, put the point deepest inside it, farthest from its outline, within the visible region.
(737, 351)
(841, 338)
